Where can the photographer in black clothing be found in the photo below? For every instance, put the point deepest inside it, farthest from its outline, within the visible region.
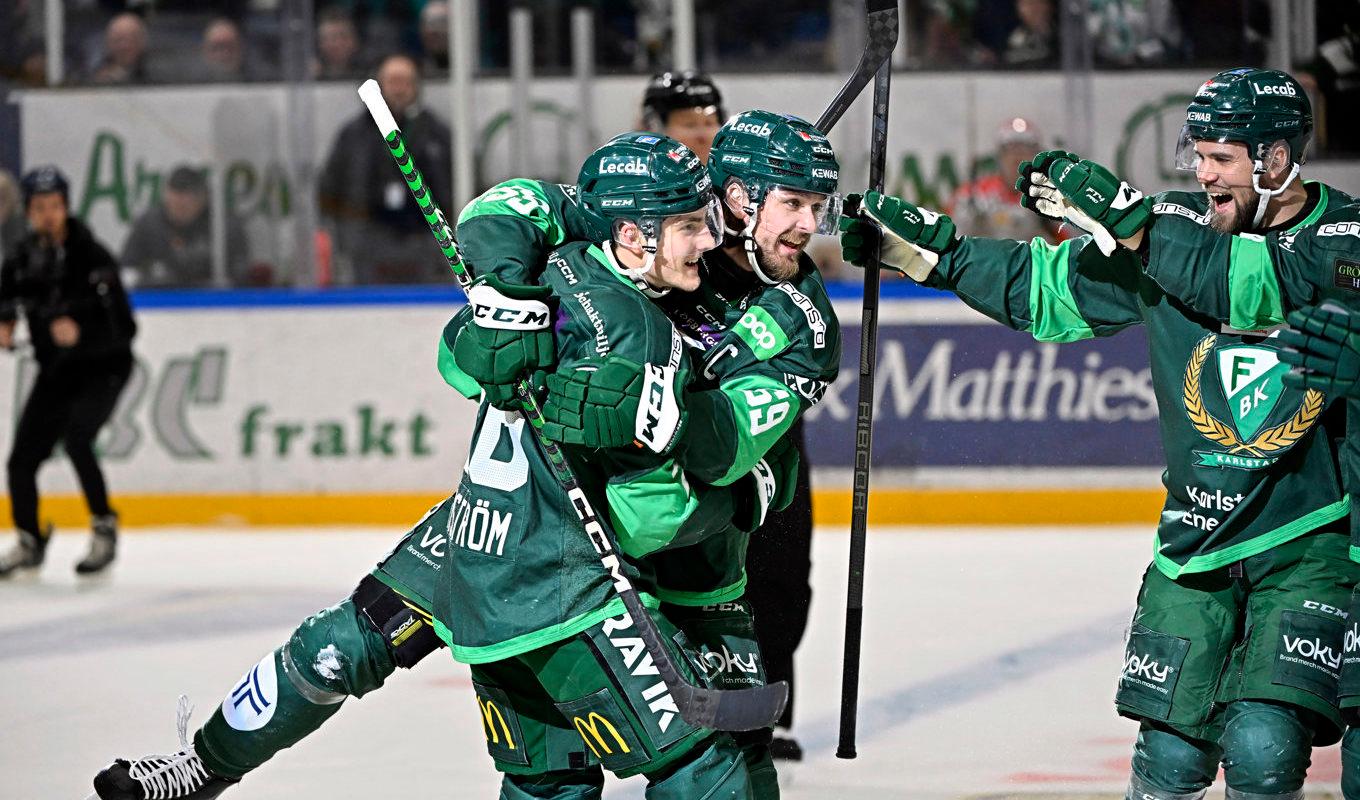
(66, 285)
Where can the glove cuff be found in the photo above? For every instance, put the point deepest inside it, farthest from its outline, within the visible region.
(492, 309)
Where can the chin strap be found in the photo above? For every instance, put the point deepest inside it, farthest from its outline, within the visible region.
(638, 275)
(748, 243)
(1264, 195)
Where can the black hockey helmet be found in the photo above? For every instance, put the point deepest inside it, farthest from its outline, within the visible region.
(673, 90)
(44, 180)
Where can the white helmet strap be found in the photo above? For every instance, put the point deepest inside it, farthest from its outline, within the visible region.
(748, 242)
(1264, 195)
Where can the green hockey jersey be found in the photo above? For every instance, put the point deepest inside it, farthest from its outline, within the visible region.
(1252, 281)
(1250, 462)
(765, 355)
(520, 572)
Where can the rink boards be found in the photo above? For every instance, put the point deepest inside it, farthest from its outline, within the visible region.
(291, 407)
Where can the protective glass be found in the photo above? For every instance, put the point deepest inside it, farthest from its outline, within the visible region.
(825, 208)
(1228, 159)
(712, 219)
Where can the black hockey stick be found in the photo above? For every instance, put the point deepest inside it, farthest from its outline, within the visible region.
(874, 63)
(722, 709)
(878, 48)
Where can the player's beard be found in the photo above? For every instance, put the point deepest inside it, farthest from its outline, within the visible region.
(1236, 221)
(778, 266)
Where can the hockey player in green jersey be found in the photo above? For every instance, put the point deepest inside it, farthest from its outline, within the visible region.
(770, 346)
(350, 649)
(1301, 275)
(1234, 652)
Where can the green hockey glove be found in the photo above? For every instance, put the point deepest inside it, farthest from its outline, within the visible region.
(913, 238)
(510, 334)
(614, 402)
(1099, 203)
(1037, 192)
(1323, 349)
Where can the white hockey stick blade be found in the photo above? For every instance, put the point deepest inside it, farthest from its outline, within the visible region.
(377, 106)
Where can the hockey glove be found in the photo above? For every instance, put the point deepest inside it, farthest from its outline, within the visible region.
(1323, 348)
(614, 402)
(1099, 203)
(774, 479)
(1037, 192)
(510, 334)
(913, 238)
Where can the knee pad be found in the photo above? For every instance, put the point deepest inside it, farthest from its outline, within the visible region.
(715, 770)
(586, 784)
(338, 652)
(1167, 765)
(1266, 749)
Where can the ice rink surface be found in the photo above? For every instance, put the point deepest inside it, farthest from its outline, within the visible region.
(989, 666)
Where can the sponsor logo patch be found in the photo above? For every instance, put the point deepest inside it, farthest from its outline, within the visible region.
(1346, 274)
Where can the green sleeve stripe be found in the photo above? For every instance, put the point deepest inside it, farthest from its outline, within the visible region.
(1053, 311)
(763, 410)
(538, 638)
(1220, 558)
(647, 510)
(517, 198)
(1253, 289)
(455, 377)
(726, 594)
(1324, 200)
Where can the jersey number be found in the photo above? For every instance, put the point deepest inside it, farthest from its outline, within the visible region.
(483, 468)
(518, 199)
(765, 412)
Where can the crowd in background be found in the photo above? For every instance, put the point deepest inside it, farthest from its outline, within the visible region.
(362, 202)
(177, 41)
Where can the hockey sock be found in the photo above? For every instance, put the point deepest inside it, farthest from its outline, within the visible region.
(264, 713)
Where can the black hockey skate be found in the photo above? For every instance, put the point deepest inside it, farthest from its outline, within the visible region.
(27, 554)
(181, 776)
(103, 545)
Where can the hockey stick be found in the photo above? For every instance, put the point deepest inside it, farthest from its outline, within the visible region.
(721, 709)
(874, 63)
(878, 47)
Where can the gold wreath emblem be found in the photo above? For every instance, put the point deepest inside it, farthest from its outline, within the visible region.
(1271, 440)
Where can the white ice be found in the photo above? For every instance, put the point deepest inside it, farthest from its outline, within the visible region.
(989, 666)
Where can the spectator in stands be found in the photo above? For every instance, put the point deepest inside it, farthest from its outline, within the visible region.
(337, 47)
(125, 52)
(379, 234)
(989, 205)
(13, 226)
(32, 64)
(1135, 33)
(172, 243)
(434, 37)
(1334, 79)
(1034, 41)
(223, 54)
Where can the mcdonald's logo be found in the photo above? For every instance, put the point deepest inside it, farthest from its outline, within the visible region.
(591, 724)
(489, 708)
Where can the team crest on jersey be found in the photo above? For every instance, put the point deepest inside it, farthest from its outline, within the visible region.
(1250, 380)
